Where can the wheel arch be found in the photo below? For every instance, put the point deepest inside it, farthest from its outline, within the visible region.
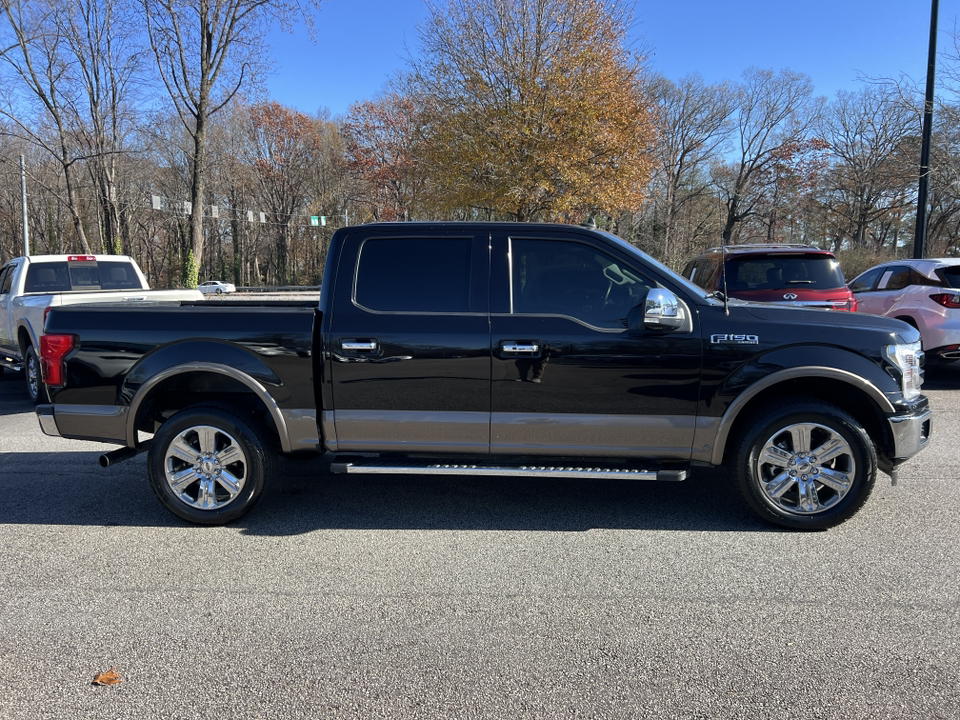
(26, 337)
(860, 398)
(203, 383)
(908, 320)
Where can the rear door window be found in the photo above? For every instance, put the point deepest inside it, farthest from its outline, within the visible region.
(414, 275)
(895, 278)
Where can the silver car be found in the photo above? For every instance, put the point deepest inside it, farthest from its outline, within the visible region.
(924, 293)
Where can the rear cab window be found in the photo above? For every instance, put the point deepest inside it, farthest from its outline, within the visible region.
(83, 275)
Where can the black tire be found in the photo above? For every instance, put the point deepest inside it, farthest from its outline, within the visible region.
(781, 477)
(36, 390)
(209, 466)
(219, 291)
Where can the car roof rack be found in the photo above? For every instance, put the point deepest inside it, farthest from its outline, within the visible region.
(764, 246)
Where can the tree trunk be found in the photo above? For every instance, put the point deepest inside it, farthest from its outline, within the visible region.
(196, 196)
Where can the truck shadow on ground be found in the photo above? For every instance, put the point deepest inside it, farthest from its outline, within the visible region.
(72, 489)
(303, 501)
(13, 394)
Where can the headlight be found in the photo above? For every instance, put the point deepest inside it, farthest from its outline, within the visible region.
(907, 359)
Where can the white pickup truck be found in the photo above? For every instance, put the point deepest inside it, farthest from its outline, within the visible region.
(31, 285)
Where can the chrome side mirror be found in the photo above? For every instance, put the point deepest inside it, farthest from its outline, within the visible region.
(661, 309)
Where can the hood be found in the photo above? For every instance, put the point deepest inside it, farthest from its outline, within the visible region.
(830, 320)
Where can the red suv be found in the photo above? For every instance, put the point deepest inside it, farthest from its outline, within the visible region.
(786, 274)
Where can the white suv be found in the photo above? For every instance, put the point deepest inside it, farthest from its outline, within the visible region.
(924, 293)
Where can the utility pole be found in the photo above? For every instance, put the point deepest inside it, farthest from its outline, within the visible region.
(920, 237)
(23, 194)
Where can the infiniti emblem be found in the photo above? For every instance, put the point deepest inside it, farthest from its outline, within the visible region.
(789, 296)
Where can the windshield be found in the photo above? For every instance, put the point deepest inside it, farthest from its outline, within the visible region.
(675, 277)
(774, 272)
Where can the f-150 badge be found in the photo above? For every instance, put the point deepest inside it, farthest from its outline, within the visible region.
(735, 339)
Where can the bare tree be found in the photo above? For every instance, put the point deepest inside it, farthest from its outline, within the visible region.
(872, 137)
(285, 146)
(775, 112)
(39, 73)
(694, 120)
(206, 50)
(101, 35)
(381, 142)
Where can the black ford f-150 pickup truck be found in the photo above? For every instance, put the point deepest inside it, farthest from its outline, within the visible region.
(488, 348)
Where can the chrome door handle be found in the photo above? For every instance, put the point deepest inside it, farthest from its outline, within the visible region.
(361, 346)
(517, 347)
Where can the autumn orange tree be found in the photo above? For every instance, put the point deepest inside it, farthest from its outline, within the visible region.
(380, 140)
(285, 146)
(535, 108)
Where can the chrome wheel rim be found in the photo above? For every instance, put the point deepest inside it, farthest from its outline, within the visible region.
(205, 467)
(805, 468)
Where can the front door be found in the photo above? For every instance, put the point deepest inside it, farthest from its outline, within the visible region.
(410, 344)
(569, 378)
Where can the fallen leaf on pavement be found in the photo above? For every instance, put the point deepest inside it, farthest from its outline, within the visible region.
(110, 677)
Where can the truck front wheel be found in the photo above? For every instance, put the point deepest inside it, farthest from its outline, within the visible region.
(209, 466)
(806, 465)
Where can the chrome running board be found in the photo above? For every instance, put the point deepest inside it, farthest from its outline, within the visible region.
(478, 470)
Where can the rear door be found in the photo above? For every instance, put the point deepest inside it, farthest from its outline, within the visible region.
(568, 377)
(409, 343)
(889, 292)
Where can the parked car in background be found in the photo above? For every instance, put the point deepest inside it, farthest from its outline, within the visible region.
(924, 293)
(789, 274)
(217, 287)
(30, 286)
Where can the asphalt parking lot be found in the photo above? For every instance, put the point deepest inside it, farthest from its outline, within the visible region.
(459, 597)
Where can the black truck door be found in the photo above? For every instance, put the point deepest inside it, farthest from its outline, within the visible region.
(410, 343)
(568, 376)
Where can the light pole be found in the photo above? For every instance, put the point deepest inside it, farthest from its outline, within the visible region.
(920, 237)
(23, 195)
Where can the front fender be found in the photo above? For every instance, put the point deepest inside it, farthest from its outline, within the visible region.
(760, 372)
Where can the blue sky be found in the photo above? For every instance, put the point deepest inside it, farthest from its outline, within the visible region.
(361, 43)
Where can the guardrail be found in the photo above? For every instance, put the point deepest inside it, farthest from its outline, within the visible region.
(280, 289)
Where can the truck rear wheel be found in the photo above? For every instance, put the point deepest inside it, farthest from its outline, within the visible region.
(209, 466)
(806, 465)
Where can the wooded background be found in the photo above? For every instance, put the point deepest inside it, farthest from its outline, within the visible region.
(145, 131)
